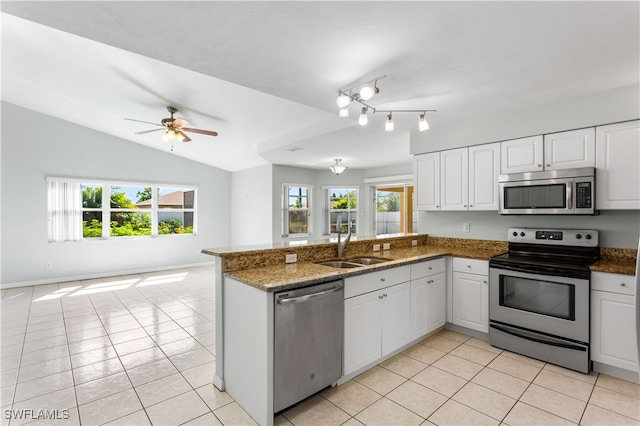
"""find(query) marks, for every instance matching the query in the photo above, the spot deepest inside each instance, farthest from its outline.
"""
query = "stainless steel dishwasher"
(308, 341)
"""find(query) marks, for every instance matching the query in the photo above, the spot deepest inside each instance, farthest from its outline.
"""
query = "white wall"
(592, 109)
(35, 146)
(618, 228)
(251, 212)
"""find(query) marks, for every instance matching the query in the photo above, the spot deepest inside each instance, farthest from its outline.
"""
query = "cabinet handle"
(380, 297)
(430, 281)
(464, 205)
(470, 205)
(385, 295)
(382, 279)
(469, 266)
(485, 281)
(437, 206)
(548, 165)
(623, 285)
(539, 165)
(430, 268)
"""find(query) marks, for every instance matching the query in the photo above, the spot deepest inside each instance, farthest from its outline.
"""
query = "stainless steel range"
(539, 295)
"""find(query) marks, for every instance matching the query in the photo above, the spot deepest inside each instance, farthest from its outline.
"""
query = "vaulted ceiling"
(265, 74)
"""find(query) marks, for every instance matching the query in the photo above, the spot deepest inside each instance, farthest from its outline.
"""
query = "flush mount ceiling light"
(368, 90)
(337, 166)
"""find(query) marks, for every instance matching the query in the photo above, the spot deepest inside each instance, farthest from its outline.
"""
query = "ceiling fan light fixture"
(388, 125)
(422, 123)
(337, 166)
(363, 120)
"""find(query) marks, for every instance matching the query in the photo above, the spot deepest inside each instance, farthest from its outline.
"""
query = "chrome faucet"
(342, 244)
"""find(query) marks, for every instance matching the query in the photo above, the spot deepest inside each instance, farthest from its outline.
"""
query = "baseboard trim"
(5, 286)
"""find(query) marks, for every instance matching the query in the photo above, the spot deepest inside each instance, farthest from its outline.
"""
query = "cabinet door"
(484, 169)
(427, 181)
(454, 179)
(437, 299)
(569, 150)
(471, 301)
(396, 317)
(522, 155)
(419, 307)
(362, 331)
(613, 330)
(617, 171)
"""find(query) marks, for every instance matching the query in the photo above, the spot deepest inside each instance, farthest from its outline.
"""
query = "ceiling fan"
(174, 128)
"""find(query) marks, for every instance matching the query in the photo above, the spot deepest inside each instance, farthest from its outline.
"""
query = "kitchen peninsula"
(247, 278)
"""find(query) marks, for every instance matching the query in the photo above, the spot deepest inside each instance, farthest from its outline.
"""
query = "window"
(296, 210)
(394, 210)
(342, 202)
(116, 210)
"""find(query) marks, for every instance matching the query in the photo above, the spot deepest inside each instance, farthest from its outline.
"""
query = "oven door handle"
(546, 342)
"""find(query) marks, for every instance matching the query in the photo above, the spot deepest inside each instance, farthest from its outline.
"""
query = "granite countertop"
(616, 261)
(292, 275)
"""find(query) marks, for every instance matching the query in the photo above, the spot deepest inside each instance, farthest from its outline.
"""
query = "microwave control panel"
(583, 195)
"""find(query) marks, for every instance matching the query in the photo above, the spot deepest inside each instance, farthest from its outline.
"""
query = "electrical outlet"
(386, 246)
(414, 243)
(291, 258)
(49, 265)
(466, 227)
(376, 247)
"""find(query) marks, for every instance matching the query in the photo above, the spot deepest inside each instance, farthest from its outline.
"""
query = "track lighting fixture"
(388, 125)
(363, 120)
(366, 92)
(337, 166)
(422, 123)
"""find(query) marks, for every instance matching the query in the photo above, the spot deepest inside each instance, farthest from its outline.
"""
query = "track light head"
(344, 112)
(388, 125)
(363, 120)
(422, 123)
(343, 100)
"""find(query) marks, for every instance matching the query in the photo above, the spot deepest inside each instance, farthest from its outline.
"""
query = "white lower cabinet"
(470, 292)
(613, 326)
(428, 297)
(375, 324)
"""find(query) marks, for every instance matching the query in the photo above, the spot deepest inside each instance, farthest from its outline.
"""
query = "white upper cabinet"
(426, 169)
(522, 155)
(454, 179)
(572, 149)
(617, 166)
(484, 169)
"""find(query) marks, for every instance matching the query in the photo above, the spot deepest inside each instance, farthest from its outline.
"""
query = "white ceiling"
(265, 74)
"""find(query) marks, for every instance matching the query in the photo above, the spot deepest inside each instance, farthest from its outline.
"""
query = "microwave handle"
(569, 195)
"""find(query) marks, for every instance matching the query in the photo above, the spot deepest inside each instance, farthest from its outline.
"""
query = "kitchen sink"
(340, 264)
(368, 260)
(353, 263)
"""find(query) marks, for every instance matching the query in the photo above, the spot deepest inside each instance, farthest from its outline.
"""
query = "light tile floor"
(139, 350)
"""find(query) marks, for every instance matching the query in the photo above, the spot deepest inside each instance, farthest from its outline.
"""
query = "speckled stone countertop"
(616, 261)
(282, 276)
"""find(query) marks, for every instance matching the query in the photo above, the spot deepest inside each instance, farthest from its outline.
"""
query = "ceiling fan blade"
(179, 122)
(140, 121)
(203, 132)
(186, 138)
(147, 131)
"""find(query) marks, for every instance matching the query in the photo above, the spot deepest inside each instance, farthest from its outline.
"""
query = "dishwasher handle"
(307, 297)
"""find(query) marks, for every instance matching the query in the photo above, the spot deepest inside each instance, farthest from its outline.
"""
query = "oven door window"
(541, 297)
(549, 196)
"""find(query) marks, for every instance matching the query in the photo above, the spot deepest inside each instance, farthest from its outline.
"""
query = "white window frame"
(285, 209)
(345, 220)
(153, 211)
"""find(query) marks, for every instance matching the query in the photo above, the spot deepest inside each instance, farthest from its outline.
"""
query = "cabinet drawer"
(429, 267)
(471, 266)
(360, 284)
(613, 283)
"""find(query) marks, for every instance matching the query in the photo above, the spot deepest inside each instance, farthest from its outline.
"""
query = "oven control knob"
(578, 236)
(522, 234)
(515, 234)
(588, 236)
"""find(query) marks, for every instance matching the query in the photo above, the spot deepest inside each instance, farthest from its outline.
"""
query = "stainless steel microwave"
(569, 191)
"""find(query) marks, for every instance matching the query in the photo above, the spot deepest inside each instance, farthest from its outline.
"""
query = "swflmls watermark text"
(31, 414)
